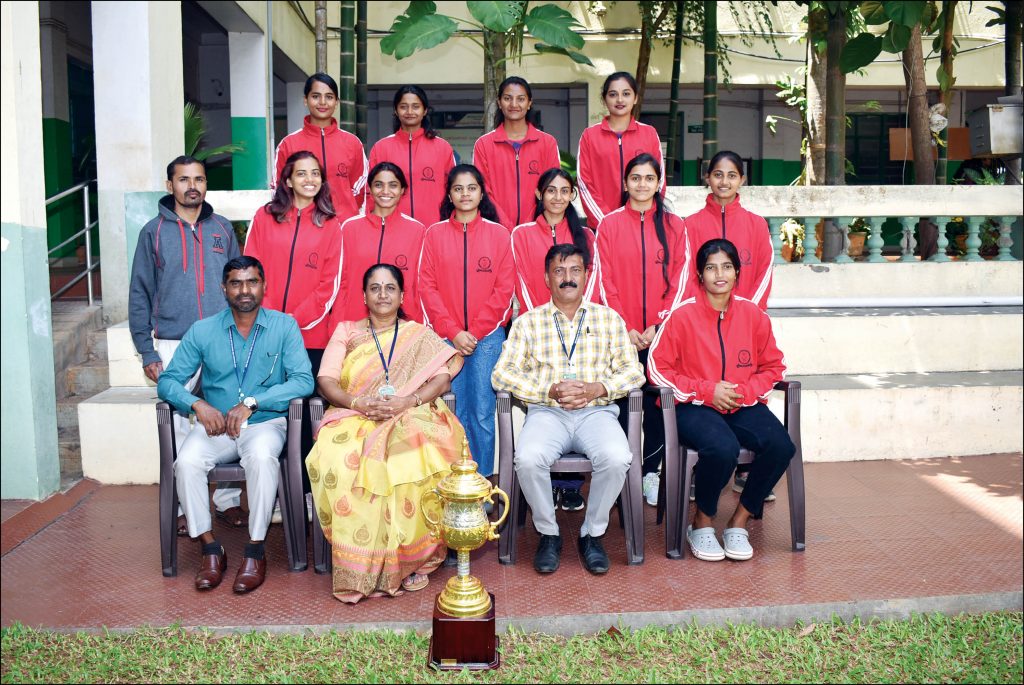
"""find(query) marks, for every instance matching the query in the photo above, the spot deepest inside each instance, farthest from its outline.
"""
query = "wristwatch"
(250, 403)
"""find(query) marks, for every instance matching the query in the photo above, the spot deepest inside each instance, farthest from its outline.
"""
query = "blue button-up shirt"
(279, 369)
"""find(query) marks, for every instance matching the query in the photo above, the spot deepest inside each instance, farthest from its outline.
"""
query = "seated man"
(253, 363)
(569, 360)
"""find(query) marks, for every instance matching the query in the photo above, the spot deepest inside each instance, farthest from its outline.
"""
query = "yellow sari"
(367, 477)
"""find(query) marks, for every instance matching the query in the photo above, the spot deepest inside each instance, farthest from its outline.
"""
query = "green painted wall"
(775, 172)
(64, 217)
(29, 460)
(139, 208)
(249, 167)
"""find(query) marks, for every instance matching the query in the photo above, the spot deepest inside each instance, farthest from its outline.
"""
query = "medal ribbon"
(234, 359)
(380, 351)
(579, 329)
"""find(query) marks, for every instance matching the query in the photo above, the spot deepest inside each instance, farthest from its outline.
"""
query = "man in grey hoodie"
(175, 282)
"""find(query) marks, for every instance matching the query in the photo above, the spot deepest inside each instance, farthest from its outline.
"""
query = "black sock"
(213, 548)
(254, 550)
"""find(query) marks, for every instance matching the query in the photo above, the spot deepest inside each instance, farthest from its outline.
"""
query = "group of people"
(394, 281)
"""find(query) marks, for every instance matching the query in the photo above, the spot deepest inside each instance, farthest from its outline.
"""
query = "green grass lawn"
(932, 648)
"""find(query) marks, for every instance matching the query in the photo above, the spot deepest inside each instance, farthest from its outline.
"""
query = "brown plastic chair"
(631, 513)
(677, 480)
(321, 548)
(289, 491)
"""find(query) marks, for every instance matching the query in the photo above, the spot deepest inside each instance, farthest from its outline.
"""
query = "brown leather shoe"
(211, 570)
(250, 575)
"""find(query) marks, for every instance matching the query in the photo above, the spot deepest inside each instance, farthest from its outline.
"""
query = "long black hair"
(284, 197)
(576, 227)
(487, 209)
(394, 271)
(714, 246)
(410, 89)
(531, 114)
(659, 207)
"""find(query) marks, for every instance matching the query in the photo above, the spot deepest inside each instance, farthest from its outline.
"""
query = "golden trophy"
(463, 635)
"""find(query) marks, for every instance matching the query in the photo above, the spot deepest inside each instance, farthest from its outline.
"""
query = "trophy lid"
(464, 483)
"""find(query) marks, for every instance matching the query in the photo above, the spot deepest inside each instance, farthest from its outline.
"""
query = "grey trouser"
(257, 448)
(548, 433)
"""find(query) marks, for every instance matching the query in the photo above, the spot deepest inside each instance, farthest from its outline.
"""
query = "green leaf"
(575, 56)
(896, 38)
(415, 10)
(944, 79)
(410, 34)
(555, 26)
(1000, 17)
(906, 12)
(860, 52)
(497, 15)
(937, 43)
(873, 12)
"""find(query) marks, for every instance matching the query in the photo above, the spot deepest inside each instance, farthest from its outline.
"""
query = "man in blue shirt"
(253, 364)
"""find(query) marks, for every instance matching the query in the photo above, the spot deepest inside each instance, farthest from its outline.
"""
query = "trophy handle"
(433, 522)
(491, 534)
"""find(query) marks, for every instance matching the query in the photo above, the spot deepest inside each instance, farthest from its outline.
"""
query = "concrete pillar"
(139, 121)
(249, 109)
(296, 105)
(28, 442)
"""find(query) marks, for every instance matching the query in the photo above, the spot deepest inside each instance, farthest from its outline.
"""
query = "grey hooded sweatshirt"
(176, 275)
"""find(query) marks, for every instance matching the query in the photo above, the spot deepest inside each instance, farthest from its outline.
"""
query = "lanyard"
(579, 329)
(380, 351)
(234, 359)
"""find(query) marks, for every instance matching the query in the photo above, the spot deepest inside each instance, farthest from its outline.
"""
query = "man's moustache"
(568, 284)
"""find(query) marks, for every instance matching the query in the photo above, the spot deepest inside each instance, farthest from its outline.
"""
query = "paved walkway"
(883, 538)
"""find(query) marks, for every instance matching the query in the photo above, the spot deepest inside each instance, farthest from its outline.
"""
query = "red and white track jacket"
(530, 244)
(510, 176)
(698, 346)
(425, 163)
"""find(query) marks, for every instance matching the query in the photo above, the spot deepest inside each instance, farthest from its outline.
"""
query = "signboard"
(695, 128)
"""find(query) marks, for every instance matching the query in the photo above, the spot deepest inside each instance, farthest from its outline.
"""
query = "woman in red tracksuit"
(724, 217)
(424, 158)
(297, 238)
(643, 254)
(606, 147)
(514, 155)
(340, 153)
(466, 283)
(382, 236)
(555, 222)
(717, 353)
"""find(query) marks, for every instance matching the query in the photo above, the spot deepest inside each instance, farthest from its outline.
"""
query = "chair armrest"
(316, 412)
(449, 400)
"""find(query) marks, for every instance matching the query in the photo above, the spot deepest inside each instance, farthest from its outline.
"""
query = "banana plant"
(196, 129)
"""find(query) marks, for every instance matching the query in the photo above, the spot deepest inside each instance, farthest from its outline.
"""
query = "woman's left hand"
(648, 336)
(387, 408)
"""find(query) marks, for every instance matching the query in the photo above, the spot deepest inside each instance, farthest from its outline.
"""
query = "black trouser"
(654, 428)
(718, 438)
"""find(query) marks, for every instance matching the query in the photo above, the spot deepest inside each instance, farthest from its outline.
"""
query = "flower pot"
(857, 244)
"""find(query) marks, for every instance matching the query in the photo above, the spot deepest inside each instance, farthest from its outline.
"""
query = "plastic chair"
(321, 548)
(677, 480)
(289, 491)
(631, 513)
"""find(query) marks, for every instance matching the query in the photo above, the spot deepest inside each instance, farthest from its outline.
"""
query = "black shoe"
(549, 554)
(556, 495)
(572, 500)
(595, 559)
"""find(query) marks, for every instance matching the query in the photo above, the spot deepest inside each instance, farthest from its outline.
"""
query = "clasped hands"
(217, 423)
(642, 341)
(382, 408)
(725, 398)
(574, 394)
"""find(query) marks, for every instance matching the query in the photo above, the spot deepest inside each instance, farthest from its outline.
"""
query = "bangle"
(355, 401)
(418, 400)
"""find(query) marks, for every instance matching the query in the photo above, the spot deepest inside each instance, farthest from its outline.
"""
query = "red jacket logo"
(483, 265)
(427, 174)
(343, 170)
(745, 258)
(402, 262)
(743, 359)
(534, 167)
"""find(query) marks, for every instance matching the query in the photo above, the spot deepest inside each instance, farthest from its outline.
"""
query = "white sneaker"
(276, 516)
(651, 483)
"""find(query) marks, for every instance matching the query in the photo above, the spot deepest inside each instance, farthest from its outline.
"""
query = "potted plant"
(792, 233)
(859, 231)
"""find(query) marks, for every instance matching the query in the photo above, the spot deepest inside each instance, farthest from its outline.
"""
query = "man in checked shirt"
(568, 361)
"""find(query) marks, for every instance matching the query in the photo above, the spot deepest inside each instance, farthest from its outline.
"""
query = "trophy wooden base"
(459, 643)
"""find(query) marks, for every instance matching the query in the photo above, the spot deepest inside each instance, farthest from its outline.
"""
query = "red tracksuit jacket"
(602, 159)
(425, 163)
(511, 177)
(699, 346)
(630, 258)
(367, 240)
(466, 277)
(342, 157)
(749, 233)
(302, 264)
(530, 244)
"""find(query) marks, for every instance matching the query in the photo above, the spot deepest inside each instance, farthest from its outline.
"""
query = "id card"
(569, 376)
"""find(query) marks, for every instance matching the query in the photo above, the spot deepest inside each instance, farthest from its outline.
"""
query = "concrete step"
(71, 324)
(118, 436)
(69, 449)
(899, 340)
(125, 363)
(84, 379)
(97, 345)
(67, 412)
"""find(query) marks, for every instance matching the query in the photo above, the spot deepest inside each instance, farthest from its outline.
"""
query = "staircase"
(80, 371)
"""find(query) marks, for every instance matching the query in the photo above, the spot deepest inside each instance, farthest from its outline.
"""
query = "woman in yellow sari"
(387, 439)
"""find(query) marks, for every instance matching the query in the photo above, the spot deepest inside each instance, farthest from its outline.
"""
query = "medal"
(386, 390)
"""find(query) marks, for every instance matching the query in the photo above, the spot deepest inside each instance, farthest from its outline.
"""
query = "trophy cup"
(463, 635)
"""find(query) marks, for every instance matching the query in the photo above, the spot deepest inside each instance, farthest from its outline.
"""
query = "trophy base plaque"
(458, 643)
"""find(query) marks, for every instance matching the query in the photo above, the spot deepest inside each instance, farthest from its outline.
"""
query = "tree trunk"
(1012, 48)
(361, 70)
(917, 110)
(347, 80)
(494, 74)
(672, 161)
(648, 29)
(947, 95)
(835, 103)
(814, 163)
(710, 146)
(321, 35)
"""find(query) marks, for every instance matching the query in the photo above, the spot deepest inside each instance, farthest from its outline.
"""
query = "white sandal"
(704, 544)
(737, 544)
